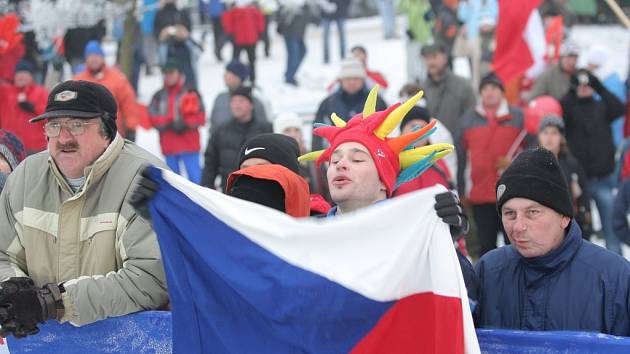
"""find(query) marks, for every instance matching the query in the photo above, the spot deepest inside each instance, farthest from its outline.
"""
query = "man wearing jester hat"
(366, 166)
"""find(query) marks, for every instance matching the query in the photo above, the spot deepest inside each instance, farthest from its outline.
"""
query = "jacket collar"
(93, 172)
(503, 112)
(557, 259)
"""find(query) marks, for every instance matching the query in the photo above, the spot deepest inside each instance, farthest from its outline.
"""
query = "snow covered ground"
(387, 56)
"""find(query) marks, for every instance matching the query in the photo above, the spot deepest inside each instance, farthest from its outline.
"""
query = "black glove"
(130, 135)
(178, 126)
(23, 306)
(27, 106)
(410, 35)
(594, 82)
(145, 190)
(450, 209)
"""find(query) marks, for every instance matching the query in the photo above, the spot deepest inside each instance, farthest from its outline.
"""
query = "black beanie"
(260, 191)
(278, 149)
(491, 79)
(244, 91)
(416, 112)
(536, 175)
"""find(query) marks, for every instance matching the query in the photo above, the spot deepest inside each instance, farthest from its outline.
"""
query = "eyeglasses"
(75, 127)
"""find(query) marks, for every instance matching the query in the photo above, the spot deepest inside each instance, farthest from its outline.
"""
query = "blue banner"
(150, 332)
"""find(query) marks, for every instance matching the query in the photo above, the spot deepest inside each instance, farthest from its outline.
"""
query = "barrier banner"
(150, 332)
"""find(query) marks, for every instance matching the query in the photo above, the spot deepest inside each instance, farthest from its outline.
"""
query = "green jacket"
(415, 11)
(92, 240)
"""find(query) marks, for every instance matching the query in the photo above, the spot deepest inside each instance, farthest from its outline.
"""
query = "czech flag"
(244, 278)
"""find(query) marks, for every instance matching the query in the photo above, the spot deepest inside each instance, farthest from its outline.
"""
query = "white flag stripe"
(534, 36)
(360, 251)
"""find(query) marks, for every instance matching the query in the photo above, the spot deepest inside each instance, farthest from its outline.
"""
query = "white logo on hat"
(500, 190)
(64, 96)
(249, 151)
(380, 153)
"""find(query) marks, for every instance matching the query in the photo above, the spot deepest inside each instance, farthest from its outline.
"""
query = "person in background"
(587, 119)
(245, 24)
(419, 23)
(448, 95)
(491, 135)
(211, 11)
(20, 102)
(293, 17)
(149, 42)
(334, 11)
(236, 75)
(555, 81)
(290, 124)
(11, 154)
(96, 70)
(177, 112)
(221, 156)
(551, 137)
(549, 278)
(373, 77)
(479, 18)
(388, 15)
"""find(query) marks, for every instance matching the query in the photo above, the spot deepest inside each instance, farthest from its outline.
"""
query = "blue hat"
(239, 69)
(93, 47)
(24, 65)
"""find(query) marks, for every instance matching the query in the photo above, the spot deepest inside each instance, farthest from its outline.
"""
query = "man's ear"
(566, 221)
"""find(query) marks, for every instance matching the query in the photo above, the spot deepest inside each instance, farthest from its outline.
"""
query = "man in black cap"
(549, 278)
(448, 95)
(221, 156)
(71, 247)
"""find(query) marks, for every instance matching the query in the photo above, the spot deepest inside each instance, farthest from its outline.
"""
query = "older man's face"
(77, 146)
(533, 229)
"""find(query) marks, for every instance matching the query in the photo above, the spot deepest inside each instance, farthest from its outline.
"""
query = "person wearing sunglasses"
(71, 247)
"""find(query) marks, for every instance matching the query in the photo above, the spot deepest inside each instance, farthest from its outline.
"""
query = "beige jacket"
(107, 257)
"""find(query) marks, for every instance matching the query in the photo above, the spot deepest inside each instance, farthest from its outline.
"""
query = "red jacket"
(170, 105)
(245, 24)
(481, 143)
(15, 118)
(436, 174)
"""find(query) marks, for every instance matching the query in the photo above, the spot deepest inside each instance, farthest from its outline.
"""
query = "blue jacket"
(578, 286)
(620, 212)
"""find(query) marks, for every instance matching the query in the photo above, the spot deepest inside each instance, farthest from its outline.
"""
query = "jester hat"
(395, 159)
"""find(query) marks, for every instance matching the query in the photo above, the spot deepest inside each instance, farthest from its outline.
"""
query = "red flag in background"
(518, 45)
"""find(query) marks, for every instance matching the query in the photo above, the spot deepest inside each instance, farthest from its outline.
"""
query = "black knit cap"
(244, 91)
(81, 99)
(491, 79)
(416, 112)
(278, 149)
(260, 191)
(535, 175)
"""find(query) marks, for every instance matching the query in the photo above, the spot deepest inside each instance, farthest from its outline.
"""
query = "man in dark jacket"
(589, 138)
(549, 278)
(222, 152)
(346, 102)
(448, 95)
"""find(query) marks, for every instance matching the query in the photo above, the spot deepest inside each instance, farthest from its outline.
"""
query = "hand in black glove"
(178, 126)
(23, 306)
(145, 190)
(450, 209)
(594, 82)
(27, 106)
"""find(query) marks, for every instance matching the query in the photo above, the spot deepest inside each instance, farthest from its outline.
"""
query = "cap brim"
(64, 113)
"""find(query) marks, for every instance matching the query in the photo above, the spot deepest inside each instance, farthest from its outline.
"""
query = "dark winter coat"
(578, 286)
(221, 157)
(588, 131)
(480, 144)
(169, 15)
(345, 105)
(573, 172)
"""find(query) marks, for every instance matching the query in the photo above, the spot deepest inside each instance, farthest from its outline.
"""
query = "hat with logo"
(81, 99)
(278, 149)
(535, 175)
